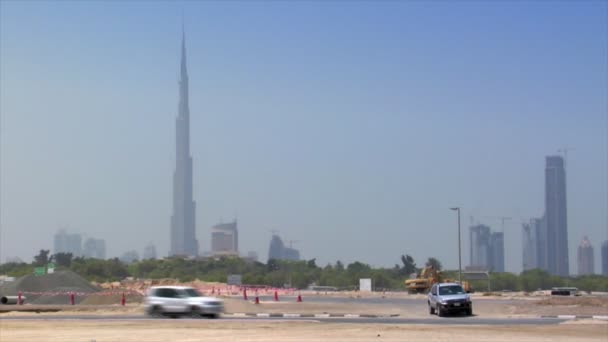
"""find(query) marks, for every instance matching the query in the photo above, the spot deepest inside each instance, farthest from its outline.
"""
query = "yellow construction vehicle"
(427, 277)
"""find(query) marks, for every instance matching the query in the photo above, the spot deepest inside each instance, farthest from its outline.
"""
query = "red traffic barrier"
(123, 299)
(276, 296)
(72, 298)
(299, 299)
(245, 293)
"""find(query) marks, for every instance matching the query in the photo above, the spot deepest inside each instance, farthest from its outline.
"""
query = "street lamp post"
(459, 253)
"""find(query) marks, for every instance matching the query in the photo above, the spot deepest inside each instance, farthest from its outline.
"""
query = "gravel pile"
(62, 282)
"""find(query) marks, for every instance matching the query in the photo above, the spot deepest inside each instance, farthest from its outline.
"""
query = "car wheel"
(431, 310)
(156, 311)
(470, 312)
(440, 311)
(195, 312)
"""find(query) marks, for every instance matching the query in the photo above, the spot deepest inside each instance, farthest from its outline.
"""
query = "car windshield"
(192, 293)
(451, 290)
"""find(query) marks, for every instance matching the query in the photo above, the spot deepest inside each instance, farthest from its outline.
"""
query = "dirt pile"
(51, 288)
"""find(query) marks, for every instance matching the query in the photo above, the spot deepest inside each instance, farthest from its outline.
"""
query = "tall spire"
(184, 70)
(183, 220)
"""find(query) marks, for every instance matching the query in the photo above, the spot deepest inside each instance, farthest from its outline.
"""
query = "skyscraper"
(556, 216)
(183, 232)
(479, 244)
(275, 251)
(68, 243)
(585, 257)
(497, 252)
(149, 252)
(534, 244)
(225, 239)
(95, 248)
(278, 250)
(529, 244)
(605, 258)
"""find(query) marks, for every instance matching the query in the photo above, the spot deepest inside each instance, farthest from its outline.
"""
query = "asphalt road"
(394, 320)
(370, 300)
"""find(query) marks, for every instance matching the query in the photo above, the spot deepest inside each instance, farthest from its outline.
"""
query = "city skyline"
(355, 126)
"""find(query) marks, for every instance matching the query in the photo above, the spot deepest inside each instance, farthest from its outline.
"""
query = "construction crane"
(565, 150)
(291, 243)
(502, 219)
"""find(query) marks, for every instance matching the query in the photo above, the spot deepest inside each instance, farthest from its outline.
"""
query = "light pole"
(459, 253)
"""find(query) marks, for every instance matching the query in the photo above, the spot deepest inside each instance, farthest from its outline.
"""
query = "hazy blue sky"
(350, 126)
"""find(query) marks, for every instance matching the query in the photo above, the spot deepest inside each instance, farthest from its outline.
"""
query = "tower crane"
(565, 150)
(502, 219)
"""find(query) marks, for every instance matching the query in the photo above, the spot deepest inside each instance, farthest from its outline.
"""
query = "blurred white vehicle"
(176, 301)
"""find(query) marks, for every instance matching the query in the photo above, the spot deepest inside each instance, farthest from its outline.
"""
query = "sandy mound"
(51, 288)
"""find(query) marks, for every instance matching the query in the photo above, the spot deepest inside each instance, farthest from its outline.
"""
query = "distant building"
(225, 239)
(95, 248)
(487, 249)
(252, 256)
(556, 217)
(479, 244)
(605, 258)
(68, 243)
(275, 251)
(585, 257)
(497, 252)
(534, 244)
(149, 252)
(129, 257)
(529, 246)
(278, 250)
(291, 254)
(541, 242)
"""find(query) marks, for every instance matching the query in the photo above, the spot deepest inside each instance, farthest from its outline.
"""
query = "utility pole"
(459, 252)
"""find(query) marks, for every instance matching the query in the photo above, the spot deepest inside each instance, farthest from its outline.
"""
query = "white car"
(180, 301)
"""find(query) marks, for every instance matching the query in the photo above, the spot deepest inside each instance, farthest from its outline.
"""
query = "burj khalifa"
(183, 222)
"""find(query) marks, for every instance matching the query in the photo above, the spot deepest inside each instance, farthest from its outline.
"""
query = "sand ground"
(283, 331)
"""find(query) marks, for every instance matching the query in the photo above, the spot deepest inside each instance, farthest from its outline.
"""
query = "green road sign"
(39, 271)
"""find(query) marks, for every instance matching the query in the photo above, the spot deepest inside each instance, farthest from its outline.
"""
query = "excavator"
(429, 276)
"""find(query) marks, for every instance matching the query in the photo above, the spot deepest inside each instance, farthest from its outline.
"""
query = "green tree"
(339, 266)
(435, 263)
(42, 258)
(409, 265)
(63, 259)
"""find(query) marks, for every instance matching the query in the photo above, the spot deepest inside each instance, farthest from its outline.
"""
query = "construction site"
(64, 307)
